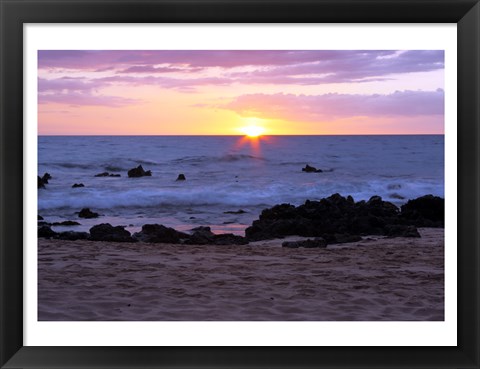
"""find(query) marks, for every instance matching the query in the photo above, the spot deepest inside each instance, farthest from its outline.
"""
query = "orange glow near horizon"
(254, 127)
(254, 142)
(253, 131)
(253, 93)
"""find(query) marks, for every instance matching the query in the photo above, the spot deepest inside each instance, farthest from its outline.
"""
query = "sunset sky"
(223, 92)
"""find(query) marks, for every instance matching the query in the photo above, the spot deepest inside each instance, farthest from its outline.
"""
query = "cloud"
(149, 69)
(353, 67)
(266, 66)
(65, 83)
(335, 106)
(78, 92)
(75, 99)
(165, 82)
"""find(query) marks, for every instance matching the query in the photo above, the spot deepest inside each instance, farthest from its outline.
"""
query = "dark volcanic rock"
(329, 216)
(204, 236)
(42, 181)
(181, 177)
(425, 211)
(39, 217)
(87, 213)
(310, 244)
(341, 238)
(157, 233)
(106, 232)
(201, 236)
(46, 177)
(310, 169)
(41, 184)
(73, 236)
(229, 239)
(66, 223)
(235, 212)
(106, 174)
(139, 172)
(46, 232)
(76, 185)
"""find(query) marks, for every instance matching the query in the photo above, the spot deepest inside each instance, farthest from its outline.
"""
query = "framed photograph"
(231, 184)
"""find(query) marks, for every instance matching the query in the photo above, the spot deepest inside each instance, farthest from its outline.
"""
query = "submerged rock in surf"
(106, 174)
(310, 169)
(240, 211)
(42, 181)
(139, 172)
(87, 213)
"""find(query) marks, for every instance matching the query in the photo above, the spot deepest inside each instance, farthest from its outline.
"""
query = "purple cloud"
(65, 83)
(77, 92)
(75, 99)
(363, 67)
(334, 106)
(334, 66)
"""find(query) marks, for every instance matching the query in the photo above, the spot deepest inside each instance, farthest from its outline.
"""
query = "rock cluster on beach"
(342, 217)
(109, 233)
(156, 233)
(332, 220)
(151, 233)
(425, 211)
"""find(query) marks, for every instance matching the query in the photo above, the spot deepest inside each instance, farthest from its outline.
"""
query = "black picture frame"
(15, 13)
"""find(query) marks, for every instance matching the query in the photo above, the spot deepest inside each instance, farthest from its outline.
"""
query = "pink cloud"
(149, 69)
(165, 82)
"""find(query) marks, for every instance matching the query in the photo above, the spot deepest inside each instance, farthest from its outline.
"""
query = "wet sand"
(388, 279)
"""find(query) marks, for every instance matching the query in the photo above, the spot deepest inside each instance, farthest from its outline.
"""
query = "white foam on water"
(224, 175)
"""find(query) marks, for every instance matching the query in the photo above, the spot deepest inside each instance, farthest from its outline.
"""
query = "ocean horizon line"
(240, 135)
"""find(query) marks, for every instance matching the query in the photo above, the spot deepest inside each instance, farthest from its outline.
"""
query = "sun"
(253, 130)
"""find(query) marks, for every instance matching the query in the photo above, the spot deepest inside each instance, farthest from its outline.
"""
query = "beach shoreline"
(375, 279)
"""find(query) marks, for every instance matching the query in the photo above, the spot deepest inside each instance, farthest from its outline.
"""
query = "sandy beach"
(378, 278)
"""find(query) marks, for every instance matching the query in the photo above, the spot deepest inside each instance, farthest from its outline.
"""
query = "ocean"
(229, 179)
